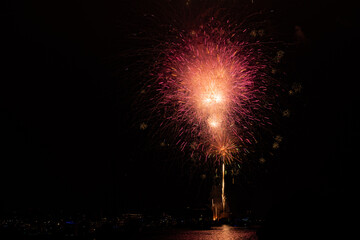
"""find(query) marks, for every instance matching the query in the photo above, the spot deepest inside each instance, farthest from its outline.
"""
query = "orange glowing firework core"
(225, 148)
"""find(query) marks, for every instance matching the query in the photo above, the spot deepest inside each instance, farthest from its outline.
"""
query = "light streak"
(223, 187)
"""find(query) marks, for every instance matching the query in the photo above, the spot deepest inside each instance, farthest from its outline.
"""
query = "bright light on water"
(224, 232)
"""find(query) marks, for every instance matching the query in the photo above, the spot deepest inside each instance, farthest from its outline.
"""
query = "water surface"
(215, 233)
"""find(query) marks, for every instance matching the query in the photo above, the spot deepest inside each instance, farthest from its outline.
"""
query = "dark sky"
(69, 133)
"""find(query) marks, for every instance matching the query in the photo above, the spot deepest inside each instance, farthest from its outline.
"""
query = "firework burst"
(212, 87)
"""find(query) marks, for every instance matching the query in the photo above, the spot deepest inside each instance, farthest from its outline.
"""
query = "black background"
(70, 139)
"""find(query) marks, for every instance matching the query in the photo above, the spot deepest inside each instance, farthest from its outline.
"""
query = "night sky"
(70, 136)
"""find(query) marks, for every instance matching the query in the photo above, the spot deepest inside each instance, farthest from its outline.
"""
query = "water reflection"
(224, 232)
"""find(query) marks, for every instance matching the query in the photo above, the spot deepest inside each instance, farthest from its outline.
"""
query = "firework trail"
(223, 186)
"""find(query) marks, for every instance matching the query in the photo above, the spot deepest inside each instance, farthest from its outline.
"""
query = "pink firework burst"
(213, 89)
